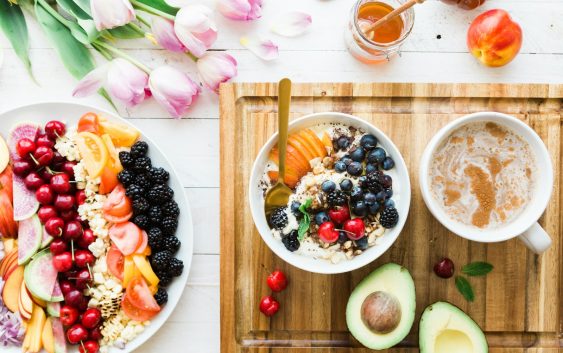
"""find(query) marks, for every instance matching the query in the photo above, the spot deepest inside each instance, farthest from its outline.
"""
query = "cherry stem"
(72, 248)
(90, 271)
(33, 158)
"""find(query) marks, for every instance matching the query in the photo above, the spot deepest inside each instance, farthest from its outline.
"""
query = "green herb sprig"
(305, 222)
(478, 268)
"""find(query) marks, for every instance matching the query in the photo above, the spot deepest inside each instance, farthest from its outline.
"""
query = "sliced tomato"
(108, 180)
(142, 243)
(135, 313)
(89, 122)
(140, 295)
(114, 219)
(117, 204)
(115, 262)
(126, 237)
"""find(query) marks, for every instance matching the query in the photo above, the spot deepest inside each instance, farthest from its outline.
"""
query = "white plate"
(70, 113)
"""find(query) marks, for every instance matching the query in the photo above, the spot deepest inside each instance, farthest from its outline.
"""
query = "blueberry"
(342, 237)
(355, 168)
(362, 243)
(343, 142)
(368, 142)
(340, 167)
(358, 154)
(295, 208)
(347, 160)
(387, 181)
(380, 196)
(360, 209)
(389, 193)
(362, 180)
(328, 186)
(321, 217)
(389, 203)
(388, 163)
(370, 199)
(376, 155)
(357, 193)
(373, 209)
(346, 185)
(370, 168)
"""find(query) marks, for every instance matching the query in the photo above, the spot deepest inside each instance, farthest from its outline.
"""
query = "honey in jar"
(371, 12)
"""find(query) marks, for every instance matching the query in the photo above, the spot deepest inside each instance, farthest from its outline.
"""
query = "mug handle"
(536, 239)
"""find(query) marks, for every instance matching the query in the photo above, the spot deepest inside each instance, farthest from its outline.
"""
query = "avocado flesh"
(394, 280)
(445, 328)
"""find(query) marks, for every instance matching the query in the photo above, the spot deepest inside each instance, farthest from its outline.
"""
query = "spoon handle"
(284, 98)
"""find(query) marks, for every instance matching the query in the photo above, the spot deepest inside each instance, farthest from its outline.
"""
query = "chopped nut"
(347, 244)
(349, 254)
(334, 247)
(379, 231)
(318, 169)
(357, 252)
(324, 245)
(371, 238)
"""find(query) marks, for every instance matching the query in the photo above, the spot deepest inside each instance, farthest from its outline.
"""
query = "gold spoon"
(278, 195)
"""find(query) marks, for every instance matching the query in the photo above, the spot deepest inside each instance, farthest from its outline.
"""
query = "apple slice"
(47, 336)
(7, 261)
(11, 290)
(10, 244)
(293, 141)
(25, 304)
(4, 154)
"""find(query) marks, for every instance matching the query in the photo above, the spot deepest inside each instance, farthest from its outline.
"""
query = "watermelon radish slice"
(25, 203)
(22, 130)
(57, 295)
(30, 236)
(54, 309)
(46, 240)
(40, 276)
(59, 335)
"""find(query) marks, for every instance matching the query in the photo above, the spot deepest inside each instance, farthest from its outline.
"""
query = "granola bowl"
(351, 194)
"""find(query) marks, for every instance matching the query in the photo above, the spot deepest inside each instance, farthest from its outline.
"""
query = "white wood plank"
(205, 213)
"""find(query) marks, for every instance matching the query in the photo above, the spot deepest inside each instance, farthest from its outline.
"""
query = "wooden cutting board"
(518, 305)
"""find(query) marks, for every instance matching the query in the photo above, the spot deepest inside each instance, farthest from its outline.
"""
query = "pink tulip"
(240, 10)
(123, 80)
(111, 13)
(195, 29)
(163, 31)
(215, 68)
(173, 89)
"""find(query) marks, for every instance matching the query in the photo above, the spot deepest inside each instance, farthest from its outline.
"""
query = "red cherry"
(269, 306)
(83, 279)
(44, 194)
(22, 167)
(327, 233)
(43, 155)
(54, 226)
(83, 258)
(45, 213)
(66, 286)
(64, 202)
(46, 175)
(76, 333)
(95, 334)
(80, 197)
(62, 262)
(58, 161)
(444, 268)
(24, 147)
(68, 215)
(277, 281)
(33, 181)
(69, 315)
(43, 140)
(68, 168)
(75, 298)
(355, 228)
(72, 230)
(55, 129)
(60, 183)
(87, 238)
(91, 318)
(58, 246)
(340, 214)
(89, 347)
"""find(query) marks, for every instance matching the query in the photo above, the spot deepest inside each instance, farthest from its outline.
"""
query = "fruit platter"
(94, 254)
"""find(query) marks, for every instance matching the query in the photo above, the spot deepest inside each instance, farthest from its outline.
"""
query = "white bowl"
(401, 196)
(70, 113)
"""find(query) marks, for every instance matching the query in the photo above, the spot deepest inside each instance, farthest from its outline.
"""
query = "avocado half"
(381, 309)
(444, 328)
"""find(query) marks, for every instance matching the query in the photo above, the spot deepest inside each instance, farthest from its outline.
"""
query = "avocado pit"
(381, 312)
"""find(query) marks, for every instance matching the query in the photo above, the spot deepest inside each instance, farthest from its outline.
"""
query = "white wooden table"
(435, 52)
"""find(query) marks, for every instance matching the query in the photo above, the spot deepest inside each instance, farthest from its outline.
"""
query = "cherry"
(58, 246)
(45, 213)
(54, 226)
(91, 318)
(68, 215)
(64, 202)
(43, 155)
(43, 140)
(76, 333)
(277, 281)
(269, 306)
(89, 347)
(68, 168)
(24, 147)
(33, 181)
(87, 238)
(58, 161)
(55, 129)
(83, 279)
(72, 230)
(327, 233)
(95, 334)
(355, 228)
(340, 214)
(44, 194)
(46, 175)
(22, 167)
(69, 315)
(444, 268)
(60, 183)
(66, 286)
(75, 298)
(62, 262)
(83, 258)
(80, 197)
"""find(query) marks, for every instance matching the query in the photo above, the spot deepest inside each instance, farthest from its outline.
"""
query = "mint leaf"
(305, 205)
(478, 268)
(464, 287)
(305, 222)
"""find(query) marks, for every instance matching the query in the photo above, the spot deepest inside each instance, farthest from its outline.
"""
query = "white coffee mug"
(525, 226)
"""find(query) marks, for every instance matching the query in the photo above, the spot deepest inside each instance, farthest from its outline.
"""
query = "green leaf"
(83, 18)
(478, 268)
(305, 222)
(84, 6)
(464, 287)
(160, 5)
(12, 23)
(125, 32)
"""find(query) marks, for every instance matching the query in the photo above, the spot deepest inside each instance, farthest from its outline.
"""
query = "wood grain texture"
(518, 304)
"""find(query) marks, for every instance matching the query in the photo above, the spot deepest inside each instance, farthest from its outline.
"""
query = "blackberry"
(156, 239)
(389, 217)
(164, 279)
(374, 181)
(175, 267)
(171, 244)
(171, 209)
(155, 214)
(159, 175)
(160, 261)
(135, 191)
(139, 149)
(337, 198)
(127, 161)
(161, 296)
(160, 194)
(140, 205)
(278, 218)
(142, 164)
(126, 177)
(142, 221)
(169, 225)
(143, 181)
(290, 241)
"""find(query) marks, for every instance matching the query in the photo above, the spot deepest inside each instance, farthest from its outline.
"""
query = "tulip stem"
(102, 51)
(137, 28)
(191, 56)
(143, 20)
(152, 10)
(121, 54)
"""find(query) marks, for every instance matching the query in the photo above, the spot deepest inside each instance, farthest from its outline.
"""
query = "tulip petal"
(109, 14)
(173, 89)
(265, 49)
(92, 82)
(126, 82)
(195, 29)
(163, 31)
(292, 24)
(240, 10)
(215, 68)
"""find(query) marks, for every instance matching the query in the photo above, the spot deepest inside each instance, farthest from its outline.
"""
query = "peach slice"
(47, 336)
(317, 141)
(11, 290)
(291, 162)
(327, 141)
(293, 141)
(290, 180)
(25, 304)
(307, 144)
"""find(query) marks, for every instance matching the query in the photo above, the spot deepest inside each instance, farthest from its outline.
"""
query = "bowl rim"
(345, 265)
